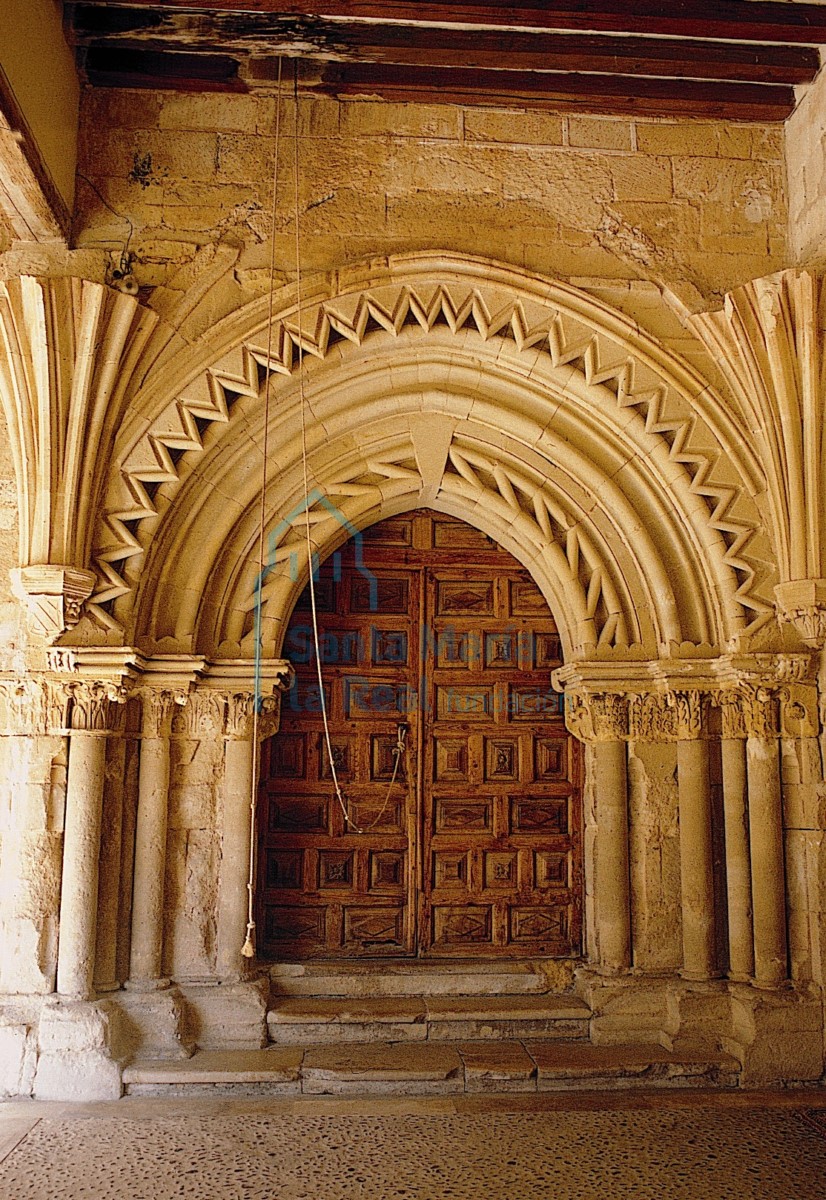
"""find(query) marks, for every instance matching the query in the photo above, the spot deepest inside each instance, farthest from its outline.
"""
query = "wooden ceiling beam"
(486, 49)
(562, 92)
(738, 20)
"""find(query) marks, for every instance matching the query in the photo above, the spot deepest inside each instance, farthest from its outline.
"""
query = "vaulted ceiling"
(735, 59)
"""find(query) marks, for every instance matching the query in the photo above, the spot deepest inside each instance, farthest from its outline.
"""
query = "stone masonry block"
(596, 134)
(529, 128)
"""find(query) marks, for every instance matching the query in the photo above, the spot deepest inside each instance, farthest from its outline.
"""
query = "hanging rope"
(248, 949)
(398, 750)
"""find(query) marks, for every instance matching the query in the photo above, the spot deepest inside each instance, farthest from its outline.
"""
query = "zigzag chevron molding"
(677, 409)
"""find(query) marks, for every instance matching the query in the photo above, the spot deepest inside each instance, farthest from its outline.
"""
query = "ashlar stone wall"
(624, 208)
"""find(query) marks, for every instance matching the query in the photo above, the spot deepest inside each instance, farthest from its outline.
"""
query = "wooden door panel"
(477, 848)
(324, 887)
(501, 831)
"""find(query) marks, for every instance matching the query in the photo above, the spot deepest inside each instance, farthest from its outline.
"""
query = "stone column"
(239, 776)
(150, 839)
(738, 856)
(90, 717)
(602, 719)
(766, 839)
(233, 892)
(696, 848)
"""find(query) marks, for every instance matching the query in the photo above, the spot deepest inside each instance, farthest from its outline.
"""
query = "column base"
(147, 985)
(154, 1021)
(79, 1051)
(230, 1016)
(777, 1035)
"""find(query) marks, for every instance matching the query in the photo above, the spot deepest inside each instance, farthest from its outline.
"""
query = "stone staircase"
(434, 1028)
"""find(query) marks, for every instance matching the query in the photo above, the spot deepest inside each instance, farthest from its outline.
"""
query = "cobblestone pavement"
(595, 1147)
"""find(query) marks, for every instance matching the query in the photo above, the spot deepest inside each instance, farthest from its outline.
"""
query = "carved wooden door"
(475, 849)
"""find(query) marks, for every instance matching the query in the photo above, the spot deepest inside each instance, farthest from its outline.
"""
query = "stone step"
(584, 1065)
(407, 978)
(320, 1021)
(430, 1068)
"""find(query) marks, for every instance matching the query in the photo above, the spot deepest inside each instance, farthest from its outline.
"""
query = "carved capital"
(653, 718)
(53, 596)
(34, 706)
(689, 712)
(760, 710)
(94, 705)
(202, 715)
(732, 711)
(269, 717)
(240, 711)
(157, 709)
(597, 716)
(799, 714)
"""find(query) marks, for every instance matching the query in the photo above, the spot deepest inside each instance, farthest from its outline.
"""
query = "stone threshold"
(422, 1069)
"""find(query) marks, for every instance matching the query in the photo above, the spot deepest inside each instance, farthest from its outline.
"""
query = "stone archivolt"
(596, 391)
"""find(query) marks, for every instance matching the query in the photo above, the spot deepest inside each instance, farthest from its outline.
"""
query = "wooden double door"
(475, 848)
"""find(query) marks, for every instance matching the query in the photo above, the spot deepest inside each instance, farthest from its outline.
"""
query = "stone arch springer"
(599, 458)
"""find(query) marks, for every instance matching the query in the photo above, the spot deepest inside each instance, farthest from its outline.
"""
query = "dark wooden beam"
(146, 69)
(408, 45)
(739, 20)
(570, 93)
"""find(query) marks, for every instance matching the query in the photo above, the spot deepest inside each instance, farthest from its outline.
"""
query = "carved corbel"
(802, 602)
(53, 596)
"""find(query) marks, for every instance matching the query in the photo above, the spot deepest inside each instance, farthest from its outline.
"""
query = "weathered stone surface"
(226, 1016)
(396, 1011)
(275, 1065)
(497, 1067)
(607, 1066)
(406, 979)
(385, 1068)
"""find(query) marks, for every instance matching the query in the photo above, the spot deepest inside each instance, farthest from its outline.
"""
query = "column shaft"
(81, 850)
(767, 861)
(235, 848)
(612, 884)
(145, 962)
(738, 860)
(696, 860)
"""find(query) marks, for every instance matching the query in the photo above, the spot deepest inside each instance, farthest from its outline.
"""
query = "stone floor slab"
(392, 1010)
(507, 1008)
(275, 1065)
(565, 1064)
(497, 1067)
(386, 1061)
